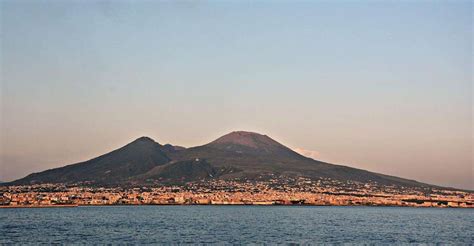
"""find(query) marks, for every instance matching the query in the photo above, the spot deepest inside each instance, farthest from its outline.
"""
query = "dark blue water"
(236, 224)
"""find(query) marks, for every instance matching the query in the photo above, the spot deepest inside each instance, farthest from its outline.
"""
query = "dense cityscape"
(275, 191)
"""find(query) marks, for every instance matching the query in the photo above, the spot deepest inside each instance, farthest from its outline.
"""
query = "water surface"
(236, 224)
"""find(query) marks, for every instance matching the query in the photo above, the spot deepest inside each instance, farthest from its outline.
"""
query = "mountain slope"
(188, 170)
(135, 158)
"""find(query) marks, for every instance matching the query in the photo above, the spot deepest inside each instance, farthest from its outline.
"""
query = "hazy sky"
(383, 86)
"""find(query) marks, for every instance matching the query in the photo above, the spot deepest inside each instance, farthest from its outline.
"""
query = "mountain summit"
(248, 139)
(243, 142)
(132, 159)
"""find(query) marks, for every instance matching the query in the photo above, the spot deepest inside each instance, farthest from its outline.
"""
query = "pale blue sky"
(384, 86)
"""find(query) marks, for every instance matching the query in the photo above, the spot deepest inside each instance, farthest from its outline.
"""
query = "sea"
(236, 225)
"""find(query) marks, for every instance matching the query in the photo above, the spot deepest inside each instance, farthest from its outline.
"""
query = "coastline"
(40, 206)
(217, 205)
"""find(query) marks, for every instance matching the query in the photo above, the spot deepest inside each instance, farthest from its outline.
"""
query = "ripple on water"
(236, 224)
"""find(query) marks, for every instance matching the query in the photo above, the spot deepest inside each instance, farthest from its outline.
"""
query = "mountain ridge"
(239, 154)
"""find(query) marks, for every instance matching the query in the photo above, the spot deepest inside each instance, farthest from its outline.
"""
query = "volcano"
(237, 155)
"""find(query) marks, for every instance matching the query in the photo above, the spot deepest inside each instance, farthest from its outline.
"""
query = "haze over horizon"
(347, 83)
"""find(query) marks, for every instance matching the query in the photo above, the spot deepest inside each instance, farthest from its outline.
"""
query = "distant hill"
(236, 155)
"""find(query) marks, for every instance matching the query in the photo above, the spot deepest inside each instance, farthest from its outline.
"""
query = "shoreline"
(231, 205)
(40, 206)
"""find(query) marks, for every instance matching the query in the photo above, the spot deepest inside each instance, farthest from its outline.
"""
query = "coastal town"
(275, 191)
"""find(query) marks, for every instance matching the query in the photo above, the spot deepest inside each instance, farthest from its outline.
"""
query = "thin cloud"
(308, 153)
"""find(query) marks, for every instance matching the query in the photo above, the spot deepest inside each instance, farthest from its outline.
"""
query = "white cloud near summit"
(308, 153)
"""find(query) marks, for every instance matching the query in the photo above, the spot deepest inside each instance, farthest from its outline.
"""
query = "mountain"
(238, 154)
(258, 155)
